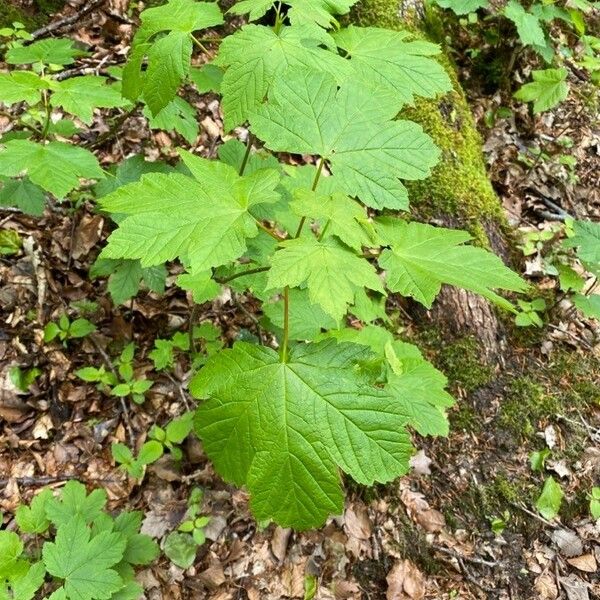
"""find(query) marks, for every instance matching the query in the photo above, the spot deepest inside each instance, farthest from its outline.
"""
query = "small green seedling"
(23, 379)
(135, 467)
(181, 545)
(548, 504)
(173, 434)
(537, 459)
(498, 524)
(529, 314)
(66, 330)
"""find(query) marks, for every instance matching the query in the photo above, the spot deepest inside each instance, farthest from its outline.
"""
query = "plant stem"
(249, 142)
(241, 274)
(324, 231)
(286, 324)
(48, 110)
(278, 19)
(200, 44)
(312, 189)
(191, 321)
(267, 230)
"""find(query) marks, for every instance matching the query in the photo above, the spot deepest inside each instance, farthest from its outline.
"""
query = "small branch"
(67, 21)
(267, 230)
(46, 479)
(471, 559)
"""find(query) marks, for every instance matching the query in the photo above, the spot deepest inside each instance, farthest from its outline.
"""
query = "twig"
(113, 128)
(66, 21)
(178, 385)
(471, 559)
(46, 479)
(534, 515)
(111, 368)
(474, 581)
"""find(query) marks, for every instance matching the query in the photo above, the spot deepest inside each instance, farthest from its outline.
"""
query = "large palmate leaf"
(204, 221)
(421, 258)
(84, 562)
(179, 116)
(169, 56)
(22, 194)
(81, 95)
(55, 51)
(587, 240)
(463, 7)
(528, 25)
(56, 167)
(281, 429)
(387, 58)
(332, 273)
(352, 129)
(254, 55)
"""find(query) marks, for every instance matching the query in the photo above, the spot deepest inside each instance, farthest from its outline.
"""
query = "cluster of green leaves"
(533, 22)
(577, 271)
(87, 552)
(121, 380)
(305, 241)
(64, 329)
(181, 545)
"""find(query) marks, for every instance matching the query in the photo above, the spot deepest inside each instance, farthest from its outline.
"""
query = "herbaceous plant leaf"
(281, 429)
(463, 7)
(387, 58)
(548, 89)
(587, 241)
(179, 115)
(56, 167)
(203, 221)
(332, 272)
(186, 16)
(55, 51)
(421, 258)
(368, 152)
(74, 500)
(23, 194)
(255, 55)
(528, 25)
(21, 86)
(79, 96)
(84, 562)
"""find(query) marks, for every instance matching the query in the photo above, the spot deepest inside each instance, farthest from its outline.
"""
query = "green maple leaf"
(463, 7)
(32, 518)
(179, 116)
(84, 562)
(331, 272)
(74, 501)
(338, 215)
(418, 388)
(24, 195)
(588, 305)
(81, 95)
(387, 58)
(255, 55)
(528, 25)
(548, 89)
(282, 429)
(421, 258)
(56, 167)
(350, 128)
(21, 86)
(320, 12)
(55, 51)
(306, 320)
(169, 56)
(204, 221)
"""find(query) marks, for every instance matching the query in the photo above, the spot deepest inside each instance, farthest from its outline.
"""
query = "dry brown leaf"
(585, 562)
(279, 542)
(87, 235)
(546, 587)
(405, 582)
(418, 509)
(357, 523)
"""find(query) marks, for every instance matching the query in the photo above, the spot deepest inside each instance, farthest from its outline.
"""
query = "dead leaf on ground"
(405, 582)
(568, 542)
(585, 562)
(357, 523)
(545, 586)
(279, 542)
(419, 510)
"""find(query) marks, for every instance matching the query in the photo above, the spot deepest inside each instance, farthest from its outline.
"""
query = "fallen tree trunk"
(459, 193)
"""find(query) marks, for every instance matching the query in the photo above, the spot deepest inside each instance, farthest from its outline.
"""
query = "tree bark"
(459, 193)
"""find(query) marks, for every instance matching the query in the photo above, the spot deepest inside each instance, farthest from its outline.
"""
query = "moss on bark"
(32, 17)
(459, 187)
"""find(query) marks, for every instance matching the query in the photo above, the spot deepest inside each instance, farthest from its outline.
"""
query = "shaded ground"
(428, 535)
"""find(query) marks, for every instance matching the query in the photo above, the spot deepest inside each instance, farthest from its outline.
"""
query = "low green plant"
(529, 313)
(173, 434)
(595, 502)
(119, 381)
(537, 459)
(135, 466)
(23, 379)
(107, 549)
(64, 329)
(181, 546)
(549, 502)
(10, 242)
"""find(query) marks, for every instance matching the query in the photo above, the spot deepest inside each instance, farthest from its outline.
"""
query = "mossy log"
(32, 14)
(459, 193)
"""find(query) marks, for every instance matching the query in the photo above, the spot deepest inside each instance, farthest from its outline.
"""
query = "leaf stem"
(324, 230)
(267, 230)
(286, 324)
(278, 19)
(200, 44)
(249, 142)
(312, 189)
(241, 274)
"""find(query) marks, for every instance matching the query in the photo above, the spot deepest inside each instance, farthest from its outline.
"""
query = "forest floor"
(463, 524)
